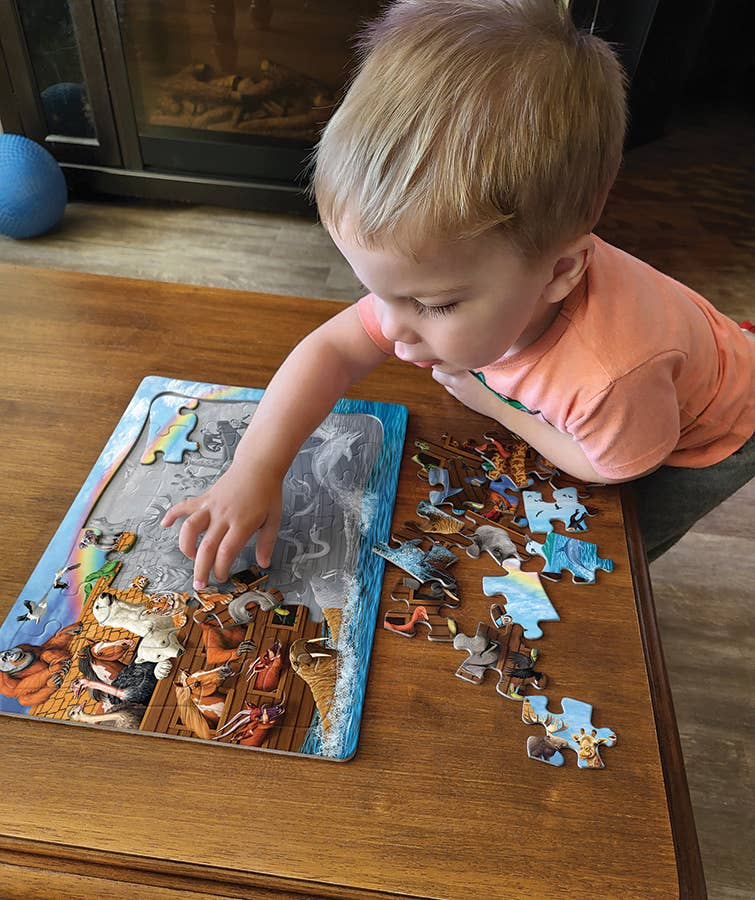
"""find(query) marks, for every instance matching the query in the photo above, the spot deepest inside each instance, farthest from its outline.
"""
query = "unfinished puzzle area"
(109, 631)
(495, 505)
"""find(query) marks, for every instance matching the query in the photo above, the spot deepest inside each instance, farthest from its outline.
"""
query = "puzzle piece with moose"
(572, 729)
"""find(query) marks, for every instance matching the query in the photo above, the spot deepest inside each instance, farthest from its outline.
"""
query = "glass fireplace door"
(236, 89)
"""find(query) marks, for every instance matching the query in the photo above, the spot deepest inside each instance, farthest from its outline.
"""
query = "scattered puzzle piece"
(169, 429)
(424, 565)
(526, 602)
(561, 552)
(437, 520)
(565, 508)
(482, 652)
(503, 653)
(420, 605)
(570, 728)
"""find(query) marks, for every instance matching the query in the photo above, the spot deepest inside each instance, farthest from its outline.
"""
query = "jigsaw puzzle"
(571, 728)
(565, 508)
(561, 552)
(108, 631)
(525, 599)
(419, 606)
(503, 652)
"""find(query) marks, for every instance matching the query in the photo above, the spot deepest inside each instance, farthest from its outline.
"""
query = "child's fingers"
(190, 531)
(266, 539)
(206, 555)
(228, 550)
(184, 508)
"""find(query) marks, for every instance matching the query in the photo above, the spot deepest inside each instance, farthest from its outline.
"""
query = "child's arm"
(557, 447)
(247, 497)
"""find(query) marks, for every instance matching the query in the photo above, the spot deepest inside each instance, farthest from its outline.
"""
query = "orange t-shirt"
(636, 367)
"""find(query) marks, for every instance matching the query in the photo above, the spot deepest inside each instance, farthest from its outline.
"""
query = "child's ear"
(571, 262)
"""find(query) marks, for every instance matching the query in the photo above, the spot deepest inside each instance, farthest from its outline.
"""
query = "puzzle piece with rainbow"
(572, 729)
(169, 428)
(525, 599)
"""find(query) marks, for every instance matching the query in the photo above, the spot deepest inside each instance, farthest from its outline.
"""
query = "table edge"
(686, 847)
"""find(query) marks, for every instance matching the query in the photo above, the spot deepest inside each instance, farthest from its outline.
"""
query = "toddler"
(461, 178)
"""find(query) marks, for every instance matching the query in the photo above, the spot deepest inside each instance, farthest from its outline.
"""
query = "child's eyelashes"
(432, 311)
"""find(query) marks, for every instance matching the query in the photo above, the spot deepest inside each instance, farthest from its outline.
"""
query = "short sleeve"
(633, 425)
(366, 311)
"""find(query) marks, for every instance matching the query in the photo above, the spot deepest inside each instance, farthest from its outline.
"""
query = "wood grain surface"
(440, 799)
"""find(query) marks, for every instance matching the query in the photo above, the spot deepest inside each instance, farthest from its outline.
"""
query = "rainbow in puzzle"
(109, 632)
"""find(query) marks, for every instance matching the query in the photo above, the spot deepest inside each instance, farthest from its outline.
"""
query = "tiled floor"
(685, 204)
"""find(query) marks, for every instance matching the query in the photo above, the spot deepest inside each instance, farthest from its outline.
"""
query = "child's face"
(462, 305)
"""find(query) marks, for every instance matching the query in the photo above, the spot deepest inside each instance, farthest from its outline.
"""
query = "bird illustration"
(36, 611)
(58, 580)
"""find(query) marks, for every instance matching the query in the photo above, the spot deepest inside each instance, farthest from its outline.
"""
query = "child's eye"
(433, 311)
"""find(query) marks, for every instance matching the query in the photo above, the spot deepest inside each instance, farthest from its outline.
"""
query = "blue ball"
(33, 191)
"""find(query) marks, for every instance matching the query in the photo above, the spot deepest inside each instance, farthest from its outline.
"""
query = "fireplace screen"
(267, 71)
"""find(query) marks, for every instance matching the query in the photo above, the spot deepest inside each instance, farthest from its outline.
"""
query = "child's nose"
(395, 326)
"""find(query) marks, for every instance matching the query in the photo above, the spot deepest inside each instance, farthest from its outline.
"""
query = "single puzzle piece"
(503, 652)
(169, 429)
(439, 476)
(437, 520)
(424, 565)
(570, 728)
(494, 539)
(565, 508)
(525, 599)
(578, 556)
(482, 650)
(405, 620)
(516, 664)
(120, 542)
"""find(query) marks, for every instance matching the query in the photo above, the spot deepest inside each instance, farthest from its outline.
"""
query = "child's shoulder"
(631, 314)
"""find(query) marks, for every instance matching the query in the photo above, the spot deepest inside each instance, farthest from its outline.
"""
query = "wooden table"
(440, 799)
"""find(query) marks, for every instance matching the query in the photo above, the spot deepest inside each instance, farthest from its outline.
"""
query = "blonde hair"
(470, 115)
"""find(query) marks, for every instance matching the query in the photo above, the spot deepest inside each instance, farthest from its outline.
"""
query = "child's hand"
(229, 513)
(468, 390)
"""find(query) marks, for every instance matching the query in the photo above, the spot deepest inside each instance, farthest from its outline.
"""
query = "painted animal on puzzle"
(267, 668)
(135, 683)
(494, 541)
(561, 552)
(251, 725)
(565, 508)
(158, 633)
(32, 673)
(224, 645)
(103, 660)
(127, 715)
(571, 728)
(198, 692)
(419, 605)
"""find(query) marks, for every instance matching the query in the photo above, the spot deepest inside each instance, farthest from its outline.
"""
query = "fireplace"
(203, 100)
(210, 101)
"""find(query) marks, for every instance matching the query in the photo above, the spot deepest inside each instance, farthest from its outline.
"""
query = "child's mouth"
(425, 363)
